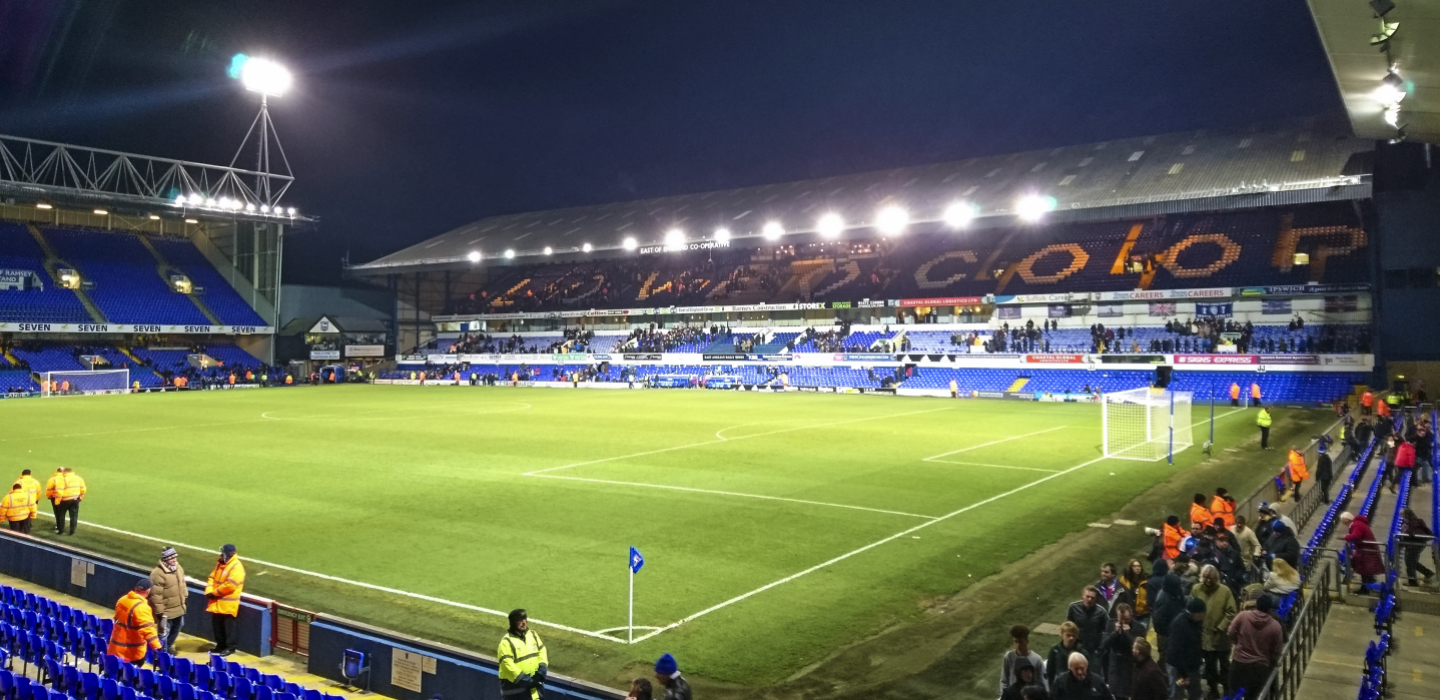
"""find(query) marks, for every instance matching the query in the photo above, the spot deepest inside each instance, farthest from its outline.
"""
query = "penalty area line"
(933, 458)
(351, 582)
(735, 493)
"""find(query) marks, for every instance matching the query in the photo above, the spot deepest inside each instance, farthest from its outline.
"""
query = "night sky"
(410, 118)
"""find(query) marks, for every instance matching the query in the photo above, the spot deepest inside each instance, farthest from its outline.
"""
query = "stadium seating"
(128, 286)
(52, 304)
(219, 296)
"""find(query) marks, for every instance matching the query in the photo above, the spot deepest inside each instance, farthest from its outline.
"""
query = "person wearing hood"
(1365, 553)
(1117, 650)
(1184, 653)
(1154, 585)
(1282, 545)
(1258, 639)
(1168, 607)
(1220, 609)
(222, 596)
(167, 597)
(667, 672)
(524, 663)
(1148, 681)
(1078, 683)
(1026, 676)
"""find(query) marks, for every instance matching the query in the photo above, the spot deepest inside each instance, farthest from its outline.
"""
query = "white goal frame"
(86, 382)
(1146, 424)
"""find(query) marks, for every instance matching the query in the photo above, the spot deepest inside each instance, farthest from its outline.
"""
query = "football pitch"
(775, 528)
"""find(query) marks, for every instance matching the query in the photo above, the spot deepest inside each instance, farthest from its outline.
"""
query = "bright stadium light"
(549, 250)
(629, 243)
(43, 205)
(959, 215)
(154, 217)
(290, 211)
(264, 208)
(1034, 207)
(474, 256)
(101, 212)
(722, 235)
(830, 225)
(179, 200)
(249, 206)
(674, 239)
(892, 221)
(510, 254)
(264, 76)
(195, 198)
(587, 247)
(192, 221)
(773, 231)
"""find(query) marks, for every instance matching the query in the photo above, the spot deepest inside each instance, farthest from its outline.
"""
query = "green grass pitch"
(778, 528)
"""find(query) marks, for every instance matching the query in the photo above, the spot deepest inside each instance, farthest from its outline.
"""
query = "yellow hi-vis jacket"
(520, 656)
(18, 505)
(64, 487)
(134, 628)
(31, 485)
(224, 586)
(1263, 420)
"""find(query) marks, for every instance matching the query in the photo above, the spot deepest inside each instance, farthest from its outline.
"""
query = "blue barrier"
(1402, 501)
(1374, 494)
(457, 673)
(1342, 498)
(55, 566)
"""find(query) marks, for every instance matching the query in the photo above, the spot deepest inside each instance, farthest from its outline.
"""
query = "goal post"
(1146, 423)
(83, 382)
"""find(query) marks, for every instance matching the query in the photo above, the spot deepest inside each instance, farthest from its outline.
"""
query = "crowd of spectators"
(657, 339)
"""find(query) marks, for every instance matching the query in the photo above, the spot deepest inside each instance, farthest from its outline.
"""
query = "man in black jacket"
(1283, 545)
(1091, 617)
(1148, 682)
(1184, 653)
(1078, 683)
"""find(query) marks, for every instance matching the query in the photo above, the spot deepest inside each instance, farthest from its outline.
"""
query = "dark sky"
(412, 117)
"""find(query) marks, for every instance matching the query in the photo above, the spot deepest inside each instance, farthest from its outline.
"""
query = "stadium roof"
(1347, 27)
(1307, 160)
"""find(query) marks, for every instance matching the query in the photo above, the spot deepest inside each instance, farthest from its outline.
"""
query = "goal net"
(1146, 423)
(83, 382)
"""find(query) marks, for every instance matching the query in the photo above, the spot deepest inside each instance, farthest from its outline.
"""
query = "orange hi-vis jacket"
(1201, 514)
(1173, 537)
(1383, 410)
(1222, 508)
(134, 628)
(1254, 390)
(18, 505)
(1298, 472)
(224, 587)
(1235, 391)
(1367, 399)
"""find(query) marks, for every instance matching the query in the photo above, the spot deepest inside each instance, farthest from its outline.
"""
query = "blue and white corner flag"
(637, 560)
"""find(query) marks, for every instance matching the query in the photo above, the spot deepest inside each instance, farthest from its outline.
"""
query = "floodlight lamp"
(264, 208)
(179, 200)
(290, 211)
(549, 250)
(675, 239)
(1034, 207)
(892, 221)
(101, 212)
(43, 205)
(722, 236)
(629, 243)
(224, 202)
(1387, 30)
(249, 206)
(195, 198)
(154, 217)
(959, 215)
(773, 231)
(1392, 115)
(474, 256)
(510, 254)
(830, 225)
(587, 247)
(265, 77)
(210, 203)
(192, 221)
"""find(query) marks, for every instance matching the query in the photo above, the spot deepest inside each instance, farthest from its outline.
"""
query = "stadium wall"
(104, 581)
(1407, 213)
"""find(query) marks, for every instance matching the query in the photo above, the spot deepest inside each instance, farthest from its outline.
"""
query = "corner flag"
(636, 560)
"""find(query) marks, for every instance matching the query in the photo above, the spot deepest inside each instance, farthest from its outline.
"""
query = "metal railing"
(1284, 681)
(1309, 502)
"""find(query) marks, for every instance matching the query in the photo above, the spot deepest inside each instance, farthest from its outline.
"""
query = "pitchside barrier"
(414, 669)
(1310, 491)
(103, 581)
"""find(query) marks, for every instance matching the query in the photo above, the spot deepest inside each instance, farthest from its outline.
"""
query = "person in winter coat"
(1118, 651)
(1184, 654)
(1148, 681)
(1059, 659)
(1416, 536)
(1227, 560)
(1078, 683)
(1324, 470)
(1010, 663)
(167, 597)
(1281, 580)
(1168, 607)
(1404, 463)
(1133, 579)
(1365, 553)
(1220, 609)
(1283, 546)
(1092, 618)
(1026, 676)
(1258, 639)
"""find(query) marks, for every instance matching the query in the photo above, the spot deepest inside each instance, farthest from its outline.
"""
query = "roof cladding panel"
(1311, 159)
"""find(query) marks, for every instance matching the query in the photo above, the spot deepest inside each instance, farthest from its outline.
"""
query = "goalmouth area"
(777, 529)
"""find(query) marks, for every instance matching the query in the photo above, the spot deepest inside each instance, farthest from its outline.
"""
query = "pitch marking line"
(993, 466)
(337, 579)
(936, 458)
(733, 493)
(538, 472)
(868, 547)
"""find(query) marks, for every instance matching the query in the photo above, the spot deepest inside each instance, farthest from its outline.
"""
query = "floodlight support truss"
(37, 168)
(269, 186)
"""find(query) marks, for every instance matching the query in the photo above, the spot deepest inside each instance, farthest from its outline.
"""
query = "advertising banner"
(1217, 360)
(942, 301)
(1342, 304)
(722, 356)
(572, 357)
(364, 350)
(642, 356)
(1165, 294)
(1289, 359)
(1224, 310)
(1055, 359)
(324, 354)
(1007, 312)
(1059, 311)
(148, 328)
(865, 357)
(1275, 307)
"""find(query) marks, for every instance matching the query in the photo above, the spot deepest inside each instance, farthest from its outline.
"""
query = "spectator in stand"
(1148, 681)
(1020, 653)
(1416, 536)
(1249, 544)
(1090, 617)
(167, 597)
(1365, 553)
(1283, 546)
(1324, 470)
(1220, 609)
(1116, 650)
(641, 689)
(1229, 563)
(1404, 463)
(667, 672)
(1282, 579)
(1168, 606)
(1060, 653)
(1184, 652)
(1027, 675)
(1258, 640)
(1078, 683)
(1133, 580)
(1109, 588)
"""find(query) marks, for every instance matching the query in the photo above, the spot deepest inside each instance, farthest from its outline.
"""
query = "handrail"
(1374, 495)
(1402, 501)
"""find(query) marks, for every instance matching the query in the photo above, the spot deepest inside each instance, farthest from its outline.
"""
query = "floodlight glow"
(629, 243)
(264, 208)
(773, 231)
(509, 254)
(265, 77)
(194, 198)
(587, 247)
(290, 211)
(101, 212)
(892, 221)
(674, 238)
(249, 206)
(830, 225)
(474, 256)
(42, 205)
(192, 221)
(549, 250)
(959, 215)
(722, 235)
(179, 200)
(210, 203)
(1392, 115)
(154, 217)
(1033, 207)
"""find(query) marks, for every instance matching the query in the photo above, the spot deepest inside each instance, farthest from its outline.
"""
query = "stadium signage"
(643, 356)
(1166, 294)
(1059, 297)
(723, 356)
(1289, 359)
(151, 328)
(1055, 359)
(697, 245)
(865, 357)
(1217, 359)
(18, 280)
(364, 350)
(943, 301)
(324, 354)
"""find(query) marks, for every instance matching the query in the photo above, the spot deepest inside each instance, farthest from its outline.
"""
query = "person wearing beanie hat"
(222, 596)
(1184, 653)
(167, 596)
(667, 672)
(524, 663)
(1257, 640)
(134, 632)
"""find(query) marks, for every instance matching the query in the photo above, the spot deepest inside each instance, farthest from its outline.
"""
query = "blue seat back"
(243, 689)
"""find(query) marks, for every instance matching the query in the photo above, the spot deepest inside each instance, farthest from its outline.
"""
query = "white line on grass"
(868, 547)
(733, 493)
(337, 579)
(994, 466)
(537, 472)
(994, 442)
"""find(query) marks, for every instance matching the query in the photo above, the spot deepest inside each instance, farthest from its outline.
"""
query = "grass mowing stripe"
(732, 493)
(995, 442)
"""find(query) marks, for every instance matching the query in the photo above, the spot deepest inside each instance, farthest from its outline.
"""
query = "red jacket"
(1366, 558)
(1405, 456)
